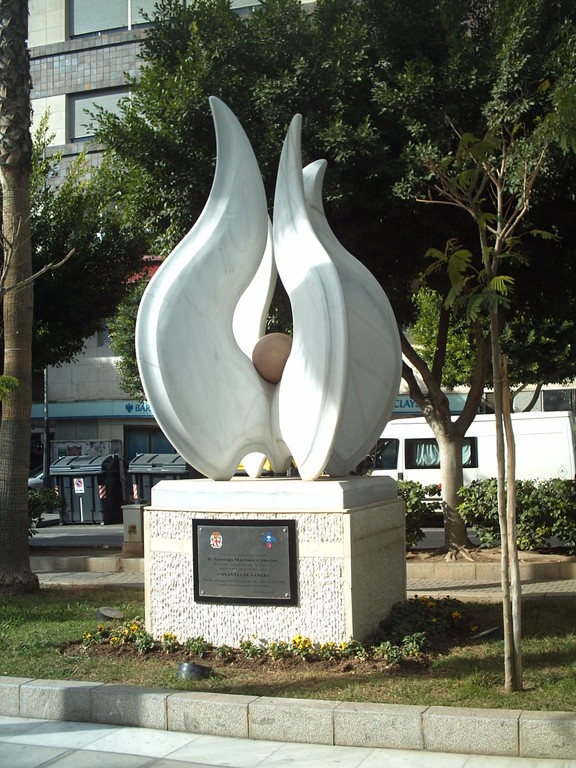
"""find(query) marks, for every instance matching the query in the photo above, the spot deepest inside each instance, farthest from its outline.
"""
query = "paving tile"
(16, 726)
(83, 759)
(400, 758)
(321, 756)
(141, 741)
(25, 756)
(71, 735)
(215, 751)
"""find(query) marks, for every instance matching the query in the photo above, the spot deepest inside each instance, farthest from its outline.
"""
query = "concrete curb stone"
(553, 735)
(210, 713)
(308, 721)
(130, 705)
(10, 695)
(389, 726)
(515, 733)
(56, 700)
(475, 731)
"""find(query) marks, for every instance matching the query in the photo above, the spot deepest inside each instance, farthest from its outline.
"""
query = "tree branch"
(24, 283)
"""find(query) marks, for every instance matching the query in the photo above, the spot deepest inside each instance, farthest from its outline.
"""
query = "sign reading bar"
(245, 561)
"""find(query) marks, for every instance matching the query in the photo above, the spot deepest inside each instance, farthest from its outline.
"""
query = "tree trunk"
(507, 617)
(449, 434)
(513, 564)
(15, 152)
(456, 535)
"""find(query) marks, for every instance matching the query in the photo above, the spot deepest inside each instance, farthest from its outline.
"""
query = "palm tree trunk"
(15, 153)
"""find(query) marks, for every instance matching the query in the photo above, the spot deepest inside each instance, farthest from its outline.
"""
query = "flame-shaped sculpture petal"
(205, 393)
(375, 357)
(249, 325)
(309, 399)
(206, 308)
(251, 313)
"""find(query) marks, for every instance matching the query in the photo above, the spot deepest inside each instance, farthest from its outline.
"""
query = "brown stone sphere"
(270, 354)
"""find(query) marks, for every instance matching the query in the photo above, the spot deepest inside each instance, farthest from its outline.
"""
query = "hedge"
(545, 509)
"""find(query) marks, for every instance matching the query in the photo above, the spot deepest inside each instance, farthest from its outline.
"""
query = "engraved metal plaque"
(245, 561)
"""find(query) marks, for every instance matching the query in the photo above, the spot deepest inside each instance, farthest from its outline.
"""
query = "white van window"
(424, 453)
(387, 454)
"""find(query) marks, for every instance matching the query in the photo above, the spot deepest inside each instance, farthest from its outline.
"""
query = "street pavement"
(33, 743)
(108, 540)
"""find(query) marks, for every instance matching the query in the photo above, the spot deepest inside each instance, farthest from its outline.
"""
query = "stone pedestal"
(350, 557)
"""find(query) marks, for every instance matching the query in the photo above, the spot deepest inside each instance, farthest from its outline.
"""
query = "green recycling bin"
(147, 469)
(92, 488)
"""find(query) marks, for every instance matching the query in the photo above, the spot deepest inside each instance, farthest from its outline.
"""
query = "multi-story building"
(80, 52)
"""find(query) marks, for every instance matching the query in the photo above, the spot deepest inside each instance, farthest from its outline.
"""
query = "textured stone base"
(350, 549)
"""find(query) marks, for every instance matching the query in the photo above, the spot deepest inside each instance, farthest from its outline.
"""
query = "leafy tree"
(280, 62)
(80, 213)
(488, 165)
(423, 334)
(538, 339)
(15, 154)
(123, 341)
(385, 87)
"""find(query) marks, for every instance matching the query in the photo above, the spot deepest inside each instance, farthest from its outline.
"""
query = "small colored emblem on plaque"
(216, 540)
(268, 539)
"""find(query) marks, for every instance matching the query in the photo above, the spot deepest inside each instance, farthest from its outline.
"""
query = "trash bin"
(92, 488)
(147, 469)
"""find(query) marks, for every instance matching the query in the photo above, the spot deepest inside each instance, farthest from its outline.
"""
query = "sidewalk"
(203, 728)
(33, 743)
(101, 563)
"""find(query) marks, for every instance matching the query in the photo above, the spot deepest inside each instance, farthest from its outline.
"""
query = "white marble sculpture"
(205, 308)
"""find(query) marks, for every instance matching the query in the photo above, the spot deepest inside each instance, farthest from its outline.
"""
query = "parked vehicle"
(545, 448)
(36, 479)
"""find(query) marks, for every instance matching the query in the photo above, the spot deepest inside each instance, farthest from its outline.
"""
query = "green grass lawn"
(41, 636)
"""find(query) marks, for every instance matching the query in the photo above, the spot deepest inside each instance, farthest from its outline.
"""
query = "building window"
(103, 337)
(145, 440)
(137, 10)
(244, 7)
(82, 103)
(88, 17)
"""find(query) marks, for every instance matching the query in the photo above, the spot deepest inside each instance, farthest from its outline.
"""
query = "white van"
(545, 448)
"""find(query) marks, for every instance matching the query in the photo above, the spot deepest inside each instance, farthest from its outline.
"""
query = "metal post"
(46, 458)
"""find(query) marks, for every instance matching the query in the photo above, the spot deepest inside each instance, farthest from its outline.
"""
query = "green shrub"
(41, 500)
(421, 504)
(544, 510)
(479, 510)
(413, 621)
(558, 510)
(197, 645)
